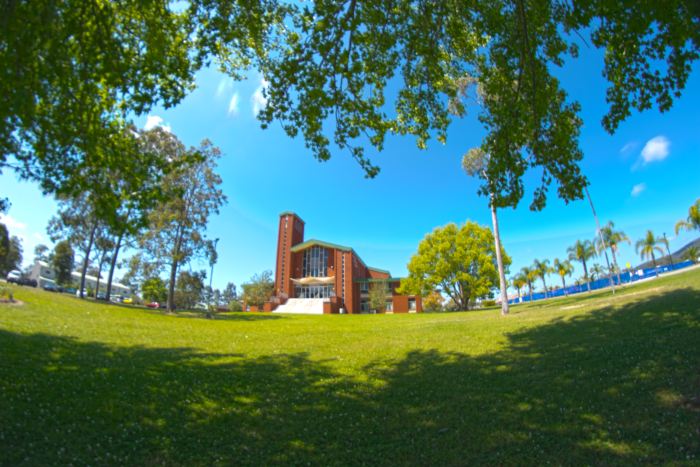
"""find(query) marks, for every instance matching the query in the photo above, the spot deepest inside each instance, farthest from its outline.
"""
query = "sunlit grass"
(594, 379)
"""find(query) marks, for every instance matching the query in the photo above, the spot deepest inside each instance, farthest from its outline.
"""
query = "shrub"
(235, 306)
(486, 303)
(7, 293)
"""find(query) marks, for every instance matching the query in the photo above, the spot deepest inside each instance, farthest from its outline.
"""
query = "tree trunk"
(654, 260)
(171, 287)
(501, 271)
(529, 287)
(113, 264)
(563, 282)
(99, 273)
(545, 287)
(520, 299)
(116, 254)
(87, 258)
(617, 269)
(585, 272)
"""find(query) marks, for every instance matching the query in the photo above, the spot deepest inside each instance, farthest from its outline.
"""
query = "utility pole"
(212, 261)
(602, 240)
(670, 258)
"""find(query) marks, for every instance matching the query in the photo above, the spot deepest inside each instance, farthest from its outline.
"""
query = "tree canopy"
(457, 261)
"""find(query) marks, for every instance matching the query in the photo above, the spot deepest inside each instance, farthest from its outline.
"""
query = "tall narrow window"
(315, 262)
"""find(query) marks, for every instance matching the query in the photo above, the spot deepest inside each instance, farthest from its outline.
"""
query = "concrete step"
(306, 306)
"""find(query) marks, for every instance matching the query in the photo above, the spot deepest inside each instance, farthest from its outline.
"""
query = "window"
(389, 305)
(364, 287)
(390, 288)
(315, 262)
(364, 306)
(411, 303)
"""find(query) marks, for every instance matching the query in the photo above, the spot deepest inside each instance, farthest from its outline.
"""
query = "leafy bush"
(7, 293)
(486, 303)
(235, 305)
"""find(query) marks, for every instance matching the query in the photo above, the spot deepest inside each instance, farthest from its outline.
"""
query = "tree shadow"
(610, 387)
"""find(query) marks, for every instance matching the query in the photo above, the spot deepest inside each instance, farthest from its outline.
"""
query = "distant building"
(318, 277)
(44, 274)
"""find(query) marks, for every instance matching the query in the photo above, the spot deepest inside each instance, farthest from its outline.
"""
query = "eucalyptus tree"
(74, 73)
(582, 251)
(76, 222)
(542, 269)
(529, 276)
(692, 222)
(613, 238)
(338, 58)
(646, 246)
(474, 163)
(176, 227)
(563, 268)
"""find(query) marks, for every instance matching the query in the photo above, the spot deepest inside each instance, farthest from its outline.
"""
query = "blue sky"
(643, 177)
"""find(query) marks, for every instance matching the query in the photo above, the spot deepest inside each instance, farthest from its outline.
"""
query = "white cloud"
(628, 147)
(153, 121)
(233, 106)
(656, 149)
(638, 189)
(38, 236)
(258, 99)
(11, 223)
(225, 83)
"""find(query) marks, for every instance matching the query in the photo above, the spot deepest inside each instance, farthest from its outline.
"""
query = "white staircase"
(306, 306)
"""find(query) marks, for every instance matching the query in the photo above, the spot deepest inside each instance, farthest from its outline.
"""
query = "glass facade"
(315, 291)
(315, 263)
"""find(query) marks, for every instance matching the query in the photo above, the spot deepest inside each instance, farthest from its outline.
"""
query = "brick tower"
(290, 234)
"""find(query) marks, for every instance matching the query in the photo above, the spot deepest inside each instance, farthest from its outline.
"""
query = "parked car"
(77, 293)
(69, 290)
(153, 305)
(29, 282)
(100, 295)
(51, 287)
(116, 299)
(128, 301)
(14, 276)
(159, 305)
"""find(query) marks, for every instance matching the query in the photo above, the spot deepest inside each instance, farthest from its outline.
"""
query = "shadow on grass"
(610, 387)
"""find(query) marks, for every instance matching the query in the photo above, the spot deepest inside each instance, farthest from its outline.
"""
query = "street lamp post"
(211, 277)
(670, 258)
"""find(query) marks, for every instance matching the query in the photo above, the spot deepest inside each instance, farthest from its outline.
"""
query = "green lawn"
(590, 380)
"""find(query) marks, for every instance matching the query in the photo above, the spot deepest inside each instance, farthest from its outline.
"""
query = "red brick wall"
(295, 235)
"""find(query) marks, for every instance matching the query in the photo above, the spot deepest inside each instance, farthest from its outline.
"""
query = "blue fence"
(626, 277)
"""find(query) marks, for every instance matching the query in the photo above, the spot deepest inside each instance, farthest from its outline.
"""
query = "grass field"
(591, 380)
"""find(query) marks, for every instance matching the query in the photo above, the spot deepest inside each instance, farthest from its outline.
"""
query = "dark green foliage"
(189, 289)
(4, 248)
(63, 262)
(75, 71)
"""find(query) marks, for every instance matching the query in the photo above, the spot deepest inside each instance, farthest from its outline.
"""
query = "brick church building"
(318, 277)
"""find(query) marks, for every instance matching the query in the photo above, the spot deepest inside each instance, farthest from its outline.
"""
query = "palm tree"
(613, 238)
(645, 247)
(597, 271)
(519, 282)
(529, 275)
(540, 269)
(691, 254)
(563, 268)
(692, 222)
(582, 251)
